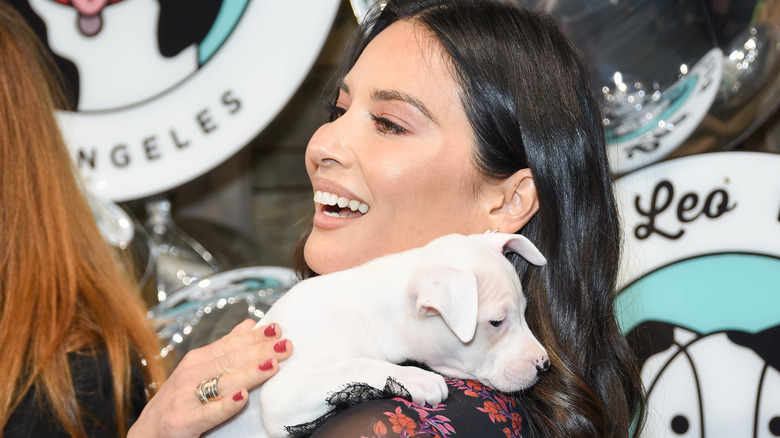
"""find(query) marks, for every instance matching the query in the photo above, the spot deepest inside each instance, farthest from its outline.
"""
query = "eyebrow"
(382, 95)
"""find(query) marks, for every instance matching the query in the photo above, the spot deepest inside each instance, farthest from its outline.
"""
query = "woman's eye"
(497, 323)
(385, 126)
(334, 111)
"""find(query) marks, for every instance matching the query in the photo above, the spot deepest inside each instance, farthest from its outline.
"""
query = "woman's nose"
(329, 146)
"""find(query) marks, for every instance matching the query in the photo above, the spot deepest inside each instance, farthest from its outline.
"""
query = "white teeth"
(326, 198)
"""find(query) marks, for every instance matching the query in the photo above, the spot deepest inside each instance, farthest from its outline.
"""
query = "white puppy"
(455, 305)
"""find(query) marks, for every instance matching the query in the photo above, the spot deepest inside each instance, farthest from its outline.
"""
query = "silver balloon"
(676, 76)
(208, 309)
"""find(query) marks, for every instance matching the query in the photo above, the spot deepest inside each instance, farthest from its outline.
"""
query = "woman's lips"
(343, 203)
(333, 211)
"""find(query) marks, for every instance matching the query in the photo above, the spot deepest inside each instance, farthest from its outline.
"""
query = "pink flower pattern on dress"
(411, 420)
(499, 407)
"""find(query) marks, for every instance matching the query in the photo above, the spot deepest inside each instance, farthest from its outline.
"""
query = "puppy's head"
(471, 310)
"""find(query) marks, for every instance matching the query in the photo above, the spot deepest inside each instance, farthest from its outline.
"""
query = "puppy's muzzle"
(542, 364)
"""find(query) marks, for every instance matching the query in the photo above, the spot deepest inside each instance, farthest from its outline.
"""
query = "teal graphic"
(226, 21)
(706, 294)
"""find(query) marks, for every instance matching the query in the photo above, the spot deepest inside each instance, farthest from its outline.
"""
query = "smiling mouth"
(339, 206)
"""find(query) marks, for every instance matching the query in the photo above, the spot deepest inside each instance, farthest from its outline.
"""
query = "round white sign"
(700, 297)
(149, 121)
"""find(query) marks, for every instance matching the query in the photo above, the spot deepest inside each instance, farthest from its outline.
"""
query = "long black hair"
(526, 92)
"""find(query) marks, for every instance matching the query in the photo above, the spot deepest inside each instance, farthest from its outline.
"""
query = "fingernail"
(270, 331)
(238, 396)
(280, 347)
(266, 365)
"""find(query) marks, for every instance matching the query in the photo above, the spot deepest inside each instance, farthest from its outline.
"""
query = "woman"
(457, 117)
(79, 356)
(463, 116)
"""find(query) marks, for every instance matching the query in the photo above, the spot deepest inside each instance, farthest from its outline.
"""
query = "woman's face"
(398, 157)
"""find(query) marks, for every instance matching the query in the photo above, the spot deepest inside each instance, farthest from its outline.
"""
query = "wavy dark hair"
(526, 92)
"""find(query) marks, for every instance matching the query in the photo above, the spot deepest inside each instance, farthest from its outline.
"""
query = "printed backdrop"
(165, 91)
(700, 296)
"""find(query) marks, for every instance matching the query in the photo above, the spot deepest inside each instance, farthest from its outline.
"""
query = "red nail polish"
(266, 365)
(280, 347)
(270, 331)
(238, 396)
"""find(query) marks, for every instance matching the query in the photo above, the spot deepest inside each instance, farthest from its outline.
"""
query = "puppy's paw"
(425, 387)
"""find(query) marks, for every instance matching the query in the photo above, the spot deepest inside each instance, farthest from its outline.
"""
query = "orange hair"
(62, 289)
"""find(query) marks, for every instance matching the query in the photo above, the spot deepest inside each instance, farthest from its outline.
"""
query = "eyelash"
(334, 111)
(384, 126)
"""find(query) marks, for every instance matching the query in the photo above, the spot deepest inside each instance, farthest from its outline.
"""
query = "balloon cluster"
(676, 77)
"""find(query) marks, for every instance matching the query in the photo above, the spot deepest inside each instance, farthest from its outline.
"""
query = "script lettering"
(715, 205)
(643, 231)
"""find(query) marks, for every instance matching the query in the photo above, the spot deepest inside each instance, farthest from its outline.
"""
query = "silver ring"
(208, 391)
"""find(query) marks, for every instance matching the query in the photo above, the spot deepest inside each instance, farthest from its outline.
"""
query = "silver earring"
(489, 231)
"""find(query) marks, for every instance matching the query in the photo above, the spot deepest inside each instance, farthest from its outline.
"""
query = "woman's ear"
(520, 202)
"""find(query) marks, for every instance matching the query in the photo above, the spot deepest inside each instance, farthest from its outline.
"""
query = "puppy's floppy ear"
(514, 242)
(452, 294)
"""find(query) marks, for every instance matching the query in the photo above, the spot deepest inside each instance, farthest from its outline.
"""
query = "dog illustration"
(722, 384)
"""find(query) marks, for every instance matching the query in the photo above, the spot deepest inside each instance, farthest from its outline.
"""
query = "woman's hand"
(244, 358)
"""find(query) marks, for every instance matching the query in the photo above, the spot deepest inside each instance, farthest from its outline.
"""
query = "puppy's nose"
(542, 364)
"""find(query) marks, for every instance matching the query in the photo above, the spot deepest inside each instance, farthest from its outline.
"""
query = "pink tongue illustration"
(89, 7)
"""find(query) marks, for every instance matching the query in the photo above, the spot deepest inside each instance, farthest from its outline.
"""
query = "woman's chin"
(324, 257)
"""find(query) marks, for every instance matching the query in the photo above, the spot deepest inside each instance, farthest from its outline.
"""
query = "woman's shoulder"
(471, 410)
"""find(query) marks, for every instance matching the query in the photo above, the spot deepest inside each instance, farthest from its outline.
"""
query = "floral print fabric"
(471, 410)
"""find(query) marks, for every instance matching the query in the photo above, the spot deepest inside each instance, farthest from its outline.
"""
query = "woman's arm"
(244, 358)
